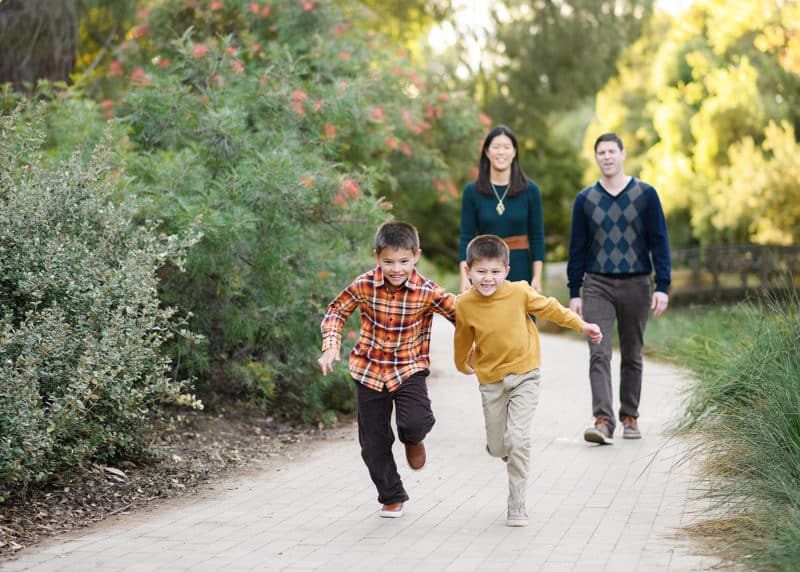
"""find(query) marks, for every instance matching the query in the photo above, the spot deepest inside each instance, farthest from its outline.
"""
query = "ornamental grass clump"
(81, 325)
(746, 420)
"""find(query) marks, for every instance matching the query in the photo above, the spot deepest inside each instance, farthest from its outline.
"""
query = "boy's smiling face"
(488, 275)
(397, 264)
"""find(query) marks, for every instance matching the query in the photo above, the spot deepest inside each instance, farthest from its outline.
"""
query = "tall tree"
(550, 58)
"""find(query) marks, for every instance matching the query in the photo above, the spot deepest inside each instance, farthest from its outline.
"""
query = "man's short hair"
(487, 247)
(609, 137)
(396, 234)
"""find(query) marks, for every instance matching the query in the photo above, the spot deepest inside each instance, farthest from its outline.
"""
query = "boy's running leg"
(414, 417)
(523, 397)
(494, 399)
(376, 437)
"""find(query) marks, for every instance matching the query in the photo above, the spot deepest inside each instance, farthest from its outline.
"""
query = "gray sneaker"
(630, 428)
(517, 515)
(600, 433)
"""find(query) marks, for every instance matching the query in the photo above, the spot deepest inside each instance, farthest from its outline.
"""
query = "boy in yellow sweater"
(497, 340)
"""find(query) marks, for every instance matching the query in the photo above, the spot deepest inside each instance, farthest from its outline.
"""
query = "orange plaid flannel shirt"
(395, 327)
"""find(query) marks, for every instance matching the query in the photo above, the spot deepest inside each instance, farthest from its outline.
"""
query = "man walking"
(617, 226)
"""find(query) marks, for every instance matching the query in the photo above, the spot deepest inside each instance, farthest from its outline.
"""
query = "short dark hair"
(487, 247)
(609, 137)
(396, 234)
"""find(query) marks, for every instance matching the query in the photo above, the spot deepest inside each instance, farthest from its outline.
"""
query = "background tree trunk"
(38, 40)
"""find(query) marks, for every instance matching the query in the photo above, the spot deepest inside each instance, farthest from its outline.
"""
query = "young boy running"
(391, 359)
(496, 339)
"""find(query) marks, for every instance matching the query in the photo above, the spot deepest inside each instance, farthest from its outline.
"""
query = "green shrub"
(81, 326)
(289, 130)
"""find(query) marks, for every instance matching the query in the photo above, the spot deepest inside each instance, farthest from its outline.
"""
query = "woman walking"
(504, 202)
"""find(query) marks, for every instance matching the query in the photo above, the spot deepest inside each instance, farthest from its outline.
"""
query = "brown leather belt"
(518, 242)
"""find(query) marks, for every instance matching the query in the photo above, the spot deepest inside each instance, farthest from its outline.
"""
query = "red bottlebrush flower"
(237, 66)
(350, 188)
(397, 70)
(407, 119)
(265, 11)
(343, 55)
(298, 107)
(415, 79)
(340, 29)
(163, 62)
(377, 113)
(107, 107)
(485, 119)
(329, 130)
(438, 184)
(308, 182)
(308, 6)
(255, 8)
(340, 200)
(451, 189)
(215, 6)
(140, 31)
(386, 205)
(342, 85)
(115, 68)
(142, 14)
(299, 95)
(139, 77)
(230, 50)
(444, 96)
(318, 105)
(199, 50)
(405, 148)
(391, 143)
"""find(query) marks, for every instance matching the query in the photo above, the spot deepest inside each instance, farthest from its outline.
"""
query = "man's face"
(397, 264)
(488, 275)
(609, 157)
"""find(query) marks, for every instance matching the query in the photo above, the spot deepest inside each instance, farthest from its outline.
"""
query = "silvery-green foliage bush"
(81, 325)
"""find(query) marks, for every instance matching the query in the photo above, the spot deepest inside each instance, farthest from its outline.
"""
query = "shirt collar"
(414, 281)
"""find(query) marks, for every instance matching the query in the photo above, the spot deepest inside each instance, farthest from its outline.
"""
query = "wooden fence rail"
(733, 272)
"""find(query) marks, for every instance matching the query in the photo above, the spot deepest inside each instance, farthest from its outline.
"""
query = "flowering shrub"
(81, 325)
(292, 132)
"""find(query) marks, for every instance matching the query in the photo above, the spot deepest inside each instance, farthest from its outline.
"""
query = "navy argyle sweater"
(618, 235)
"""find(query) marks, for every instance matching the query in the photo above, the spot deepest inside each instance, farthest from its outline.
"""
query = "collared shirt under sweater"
(394, 341)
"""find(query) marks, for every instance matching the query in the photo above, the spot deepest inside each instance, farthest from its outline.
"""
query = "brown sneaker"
(600, 433)
(630, 428)
(415, 455)
(392, 510)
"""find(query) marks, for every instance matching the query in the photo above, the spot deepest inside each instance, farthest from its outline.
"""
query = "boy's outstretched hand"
(326, 360)
(593, 331)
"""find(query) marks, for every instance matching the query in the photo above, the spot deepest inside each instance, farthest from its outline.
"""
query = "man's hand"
(326, 360)
(576, 305)
(659, 303)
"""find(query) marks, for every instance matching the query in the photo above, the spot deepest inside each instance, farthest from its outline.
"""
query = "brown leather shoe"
(415, 455)
(392, 510)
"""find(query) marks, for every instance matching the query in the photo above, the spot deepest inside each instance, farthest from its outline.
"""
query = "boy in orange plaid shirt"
(390, 361)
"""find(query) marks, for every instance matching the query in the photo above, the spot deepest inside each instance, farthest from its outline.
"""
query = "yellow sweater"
(506, 339)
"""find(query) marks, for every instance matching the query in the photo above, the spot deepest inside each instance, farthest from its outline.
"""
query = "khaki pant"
(508, 408)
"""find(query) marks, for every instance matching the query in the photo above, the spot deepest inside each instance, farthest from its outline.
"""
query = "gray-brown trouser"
(626, 301)
(508, 408)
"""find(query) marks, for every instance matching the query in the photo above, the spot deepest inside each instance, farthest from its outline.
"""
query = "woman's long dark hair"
(518, 181)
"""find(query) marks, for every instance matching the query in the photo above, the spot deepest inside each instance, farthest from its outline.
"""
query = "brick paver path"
(591, 508)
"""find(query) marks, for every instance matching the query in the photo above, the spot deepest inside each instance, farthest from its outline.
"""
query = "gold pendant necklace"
(501, 208)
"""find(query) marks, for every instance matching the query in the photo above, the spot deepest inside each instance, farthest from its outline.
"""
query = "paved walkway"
(591, 508)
